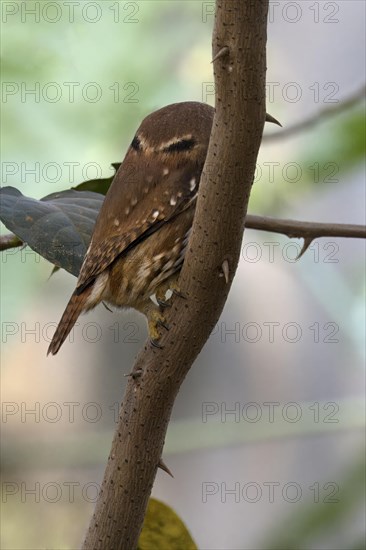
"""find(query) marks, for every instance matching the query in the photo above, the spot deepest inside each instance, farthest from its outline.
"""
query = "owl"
(142, 230)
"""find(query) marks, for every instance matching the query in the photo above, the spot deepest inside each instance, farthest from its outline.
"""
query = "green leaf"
(328, 513)
(58, 227)
(164, 530)
(98, 186)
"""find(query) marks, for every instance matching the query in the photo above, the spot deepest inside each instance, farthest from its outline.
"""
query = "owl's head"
(175, 131)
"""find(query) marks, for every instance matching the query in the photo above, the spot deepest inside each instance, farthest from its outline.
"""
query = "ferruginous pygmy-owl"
(141, 233)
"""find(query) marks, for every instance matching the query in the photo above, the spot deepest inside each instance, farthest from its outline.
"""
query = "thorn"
(54, 270)
(134, 374)
(305, 246)
(221, 53)
(165, 468)
(270, 118)
(225, 270)
(107, 307)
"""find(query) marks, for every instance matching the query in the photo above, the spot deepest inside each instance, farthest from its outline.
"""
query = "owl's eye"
(180, 145)
(136, 144)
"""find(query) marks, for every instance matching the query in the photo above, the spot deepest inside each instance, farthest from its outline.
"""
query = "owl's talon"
(155, 344)
(178, 293)
(163, 304)
(156, 320)
(162, 323)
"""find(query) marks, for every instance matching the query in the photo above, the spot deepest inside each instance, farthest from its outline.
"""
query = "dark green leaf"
(58, 227)
(98, 186)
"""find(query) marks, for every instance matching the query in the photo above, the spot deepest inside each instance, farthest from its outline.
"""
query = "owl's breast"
(136, 275)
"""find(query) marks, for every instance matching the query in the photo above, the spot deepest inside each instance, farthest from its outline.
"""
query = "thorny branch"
(320, 116)
(291, 228)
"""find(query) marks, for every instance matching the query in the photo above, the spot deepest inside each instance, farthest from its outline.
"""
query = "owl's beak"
(270, 118)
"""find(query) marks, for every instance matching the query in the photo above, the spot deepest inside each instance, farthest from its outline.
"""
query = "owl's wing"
(144, 195)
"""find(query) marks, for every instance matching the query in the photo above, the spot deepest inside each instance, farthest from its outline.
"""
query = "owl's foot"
(170, 285)
(155, 321)
(160, 296)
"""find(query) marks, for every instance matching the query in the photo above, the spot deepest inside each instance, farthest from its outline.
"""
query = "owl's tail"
(73, 309)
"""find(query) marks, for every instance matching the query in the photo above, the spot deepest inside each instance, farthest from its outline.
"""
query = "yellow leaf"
(164, 530)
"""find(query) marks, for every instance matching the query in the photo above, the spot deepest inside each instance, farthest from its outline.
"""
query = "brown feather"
(73, 309)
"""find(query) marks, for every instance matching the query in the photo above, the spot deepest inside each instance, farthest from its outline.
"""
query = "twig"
(9, 241)
(305, 230)
(320, 116)
(291, 228)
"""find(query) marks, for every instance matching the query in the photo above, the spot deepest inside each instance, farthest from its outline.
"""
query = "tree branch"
(305, 230)
(216, 236)
(9, 241)
(291, 228)
(313, 120)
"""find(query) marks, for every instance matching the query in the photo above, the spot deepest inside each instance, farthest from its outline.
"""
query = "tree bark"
(240, 28)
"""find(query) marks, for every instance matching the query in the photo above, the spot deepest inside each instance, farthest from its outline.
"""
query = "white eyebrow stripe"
(173, 141)
(145, 146)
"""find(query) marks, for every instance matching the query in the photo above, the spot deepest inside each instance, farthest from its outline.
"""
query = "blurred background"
(266, 440)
